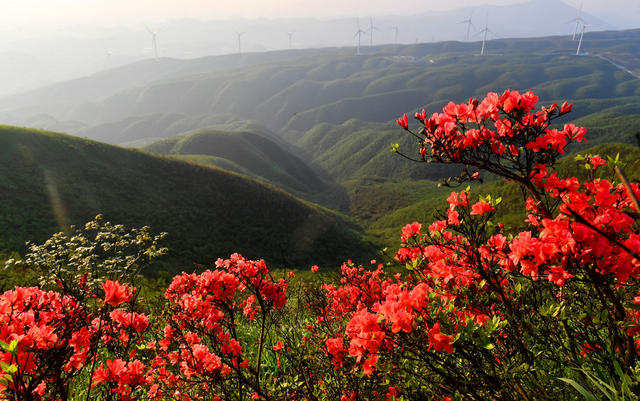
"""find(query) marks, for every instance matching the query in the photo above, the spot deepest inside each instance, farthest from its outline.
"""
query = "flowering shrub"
(489, 313)
(48, 338)
(52, 339)
(474, 309)
(212, 322)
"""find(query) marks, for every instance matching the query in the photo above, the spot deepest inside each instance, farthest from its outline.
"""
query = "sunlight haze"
(60, 12)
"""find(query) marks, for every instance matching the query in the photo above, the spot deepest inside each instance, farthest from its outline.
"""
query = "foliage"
(53, 335)
(254, 154)
(98, 251)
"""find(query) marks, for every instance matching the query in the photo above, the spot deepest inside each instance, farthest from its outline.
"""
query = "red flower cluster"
(200, 338)
(498, 134)
(54, 336)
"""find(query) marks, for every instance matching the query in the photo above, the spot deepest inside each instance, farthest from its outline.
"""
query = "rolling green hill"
(355, 150)
(255, 155)
(303, 121)
(339, 109)
(291, 92)
(48, 181)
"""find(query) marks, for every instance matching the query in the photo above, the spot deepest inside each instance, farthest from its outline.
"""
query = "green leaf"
(587, 395)
(13, 346)
(10, 369)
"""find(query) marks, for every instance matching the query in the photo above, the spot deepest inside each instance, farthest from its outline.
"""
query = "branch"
(608, 236)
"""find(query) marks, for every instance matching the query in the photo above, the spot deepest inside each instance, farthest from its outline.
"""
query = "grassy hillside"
(313, 103)
(255, 155)
(338, 108)
(370, 88)
(48, 181)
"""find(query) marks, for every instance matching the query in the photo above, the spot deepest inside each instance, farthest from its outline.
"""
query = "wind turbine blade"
(480, 32)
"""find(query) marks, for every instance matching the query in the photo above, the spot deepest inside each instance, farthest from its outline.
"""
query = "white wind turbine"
(359, 32)
(395, 35)
(290, 34)
(370, 30)
(484, 33)
(154, 42)
(239, 34)
(469, 24)
(579, 21)
(108, 54)
(584, 26)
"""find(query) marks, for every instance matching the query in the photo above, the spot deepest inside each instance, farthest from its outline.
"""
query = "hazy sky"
(61, 12)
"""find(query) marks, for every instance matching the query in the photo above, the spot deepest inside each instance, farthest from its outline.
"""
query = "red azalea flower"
(403, 122)
(481, 208)
(115, 293)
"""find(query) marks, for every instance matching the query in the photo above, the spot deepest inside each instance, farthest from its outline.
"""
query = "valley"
(317, 124)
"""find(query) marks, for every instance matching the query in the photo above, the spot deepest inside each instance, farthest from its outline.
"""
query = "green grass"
(48, 181)
(258, 155)
(245, 152)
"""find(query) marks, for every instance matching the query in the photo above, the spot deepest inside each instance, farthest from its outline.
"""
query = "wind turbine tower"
(469, 25)
(484, 33)
(154, 42)
(109, 54)
(579, 21)
(290, 34)
(371, 29)
(581, 35)
(359, 32)
(395, 35)
(239, 34)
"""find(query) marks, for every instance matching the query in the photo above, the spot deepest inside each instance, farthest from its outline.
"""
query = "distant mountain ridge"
(71, 51)
(309, 103)
(274, 88)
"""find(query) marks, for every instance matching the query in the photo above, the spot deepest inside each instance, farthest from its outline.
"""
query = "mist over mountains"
(66, 52)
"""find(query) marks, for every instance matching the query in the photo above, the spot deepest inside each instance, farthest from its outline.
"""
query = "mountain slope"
(313, 102)
(48, 181)
(334, 85)
(254, 154)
